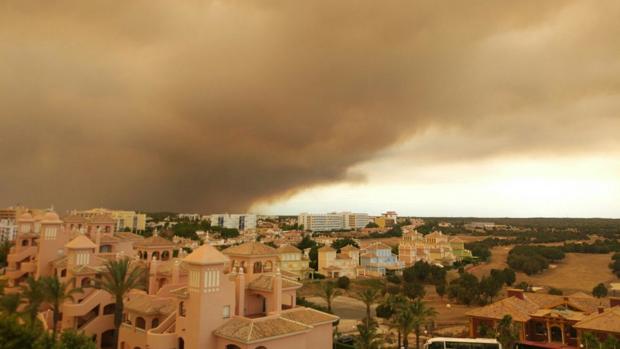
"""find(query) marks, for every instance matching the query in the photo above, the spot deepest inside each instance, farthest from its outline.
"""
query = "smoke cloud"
(216, 105)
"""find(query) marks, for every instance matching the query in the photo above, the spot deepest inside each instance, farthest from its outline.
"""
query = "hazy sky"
(475, 108)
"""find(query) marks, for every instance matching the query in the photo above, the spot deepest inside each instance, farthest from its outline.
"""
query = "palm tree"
(368, 338)
(422, 314)
(328, 293)
(119, 278)
(405, 321)
(369, 296)
(396, 302)
(9, 304)
(34, 293)
(56, 293)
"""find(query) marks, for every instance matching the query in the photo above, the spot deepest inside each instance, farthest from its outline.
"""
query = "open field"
(577, 272)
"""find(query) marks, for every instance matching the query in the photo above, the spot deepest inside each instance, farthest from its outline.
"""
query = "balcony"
(21, 255)
(14, 273)
(97, 297)
(28, 267)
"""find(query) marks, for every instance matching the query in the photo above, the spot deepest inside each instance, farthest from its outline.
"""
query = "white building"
(8, 229)
(332, 221)
(241, 222)
(189, 216)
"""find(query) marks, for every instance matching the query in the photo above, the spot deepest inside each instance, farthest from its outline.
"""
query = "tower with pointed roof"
(52, 239)
(211, 297)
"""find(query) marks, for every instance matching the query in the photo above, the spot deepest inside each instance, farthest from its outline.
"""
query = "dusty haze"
(213, 106)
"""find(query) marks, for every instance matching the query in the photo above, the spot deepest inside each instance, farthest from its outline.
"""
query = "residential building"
(384, 222)
(334, 264)
(479, 226)
(241, 222)
(390, 215)
(378, 258)
(332, 221)
(233, 299)
(293, 262)
(190, 216)
(8, 229)
(556, 321)
(432, 248)
(124, 220)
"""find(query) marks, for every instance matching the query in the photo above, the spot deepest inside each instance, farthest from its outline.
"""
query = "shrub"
(343, 282)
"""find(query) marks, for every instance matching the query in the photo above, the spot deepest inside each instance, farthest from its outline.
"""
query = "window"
(140, 323)
(50, 233)
(82, 258)
(25, 228)
(540, 328)
(154, 323)
(194, 278)
(182, 309)
(436, 345)
(226, 312)
(258, 267)
(268, 266)
(212, 279)
(109, 309)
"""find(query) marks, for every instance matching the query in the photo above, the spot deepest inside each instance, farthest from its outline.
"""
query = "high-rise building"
(332, 221)
(241, 222)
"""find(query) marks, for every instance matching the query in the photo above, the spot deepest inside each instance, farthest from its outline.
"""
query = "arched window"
(181, 343)
(63, 273)
(165, 256)
(140, 323)
(181, 308)
(85, 283)
(258, 267)
(24, 242)
(232, 346)
(268, 267)
(109, 309)
(155, 255)
(154, 323)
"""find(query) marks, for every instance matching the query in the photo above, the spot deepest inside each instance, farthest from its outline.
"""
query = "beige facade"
(346, 263)
(293, 261)
(432, 248)
(124, 220)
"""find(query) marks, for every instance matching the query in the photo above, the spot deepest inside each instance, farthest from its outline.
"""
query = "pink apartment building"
(209, 299)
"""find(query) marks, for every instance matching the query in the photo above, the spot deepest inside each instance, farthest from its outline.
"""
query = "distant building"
(378, 259)
(8, 229)
(333, 221)
(240, 222)
(432, 248)
(190, 216)
(345, 263)
(125, 220)
(479, 226)
(555, 321)
(384, 222)
(293, 262)
(390, 215)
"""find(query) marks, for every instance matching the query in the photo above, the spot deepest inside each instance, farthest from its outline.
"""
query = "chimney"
(515, 292)
(175, 272)
(153, 276)
(614, 301)
(240, 292)
(277, 292)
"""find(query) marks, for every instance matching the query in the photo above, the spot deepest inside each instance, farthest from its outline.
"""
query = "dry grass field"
(577, 272)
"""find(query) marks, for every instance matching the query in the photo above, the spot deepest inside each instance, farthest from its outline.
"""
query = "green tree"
(15, 336)
(422, 314)
(343, 282)
(507, 332)
(33, 291)
(9, 304)
(5, 247)
(55, 294)
(369, 296)
(599, 291)
(368, 338)
(340, 243)
(590, 341)
(329, 292)
(440, 288)
(73, 340)
(119, 278)
(509, 276)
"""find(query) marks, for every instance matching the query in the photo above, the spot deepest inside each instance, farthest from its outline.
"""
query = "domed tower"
(211, 296)
(52, 239)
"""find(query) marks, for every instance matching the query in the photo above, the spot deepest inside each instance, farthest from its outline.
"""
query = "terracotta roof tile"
(246, 330)
(251, 249)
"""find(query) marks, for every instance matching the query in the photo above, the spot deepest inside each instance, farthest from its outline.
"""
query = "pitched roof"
(607, 321)
(252, 248)
(349, 248)
(265, 283)
(246, 330)
(288, 249)
(154, 240)
(517, 308)
(206, 255)
(308, 316)
(126, 235)
(80, 242)
(149, 304)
